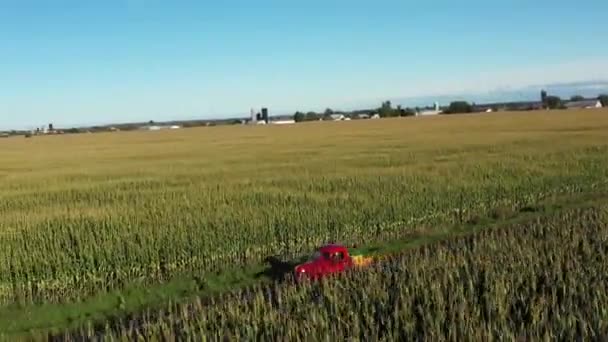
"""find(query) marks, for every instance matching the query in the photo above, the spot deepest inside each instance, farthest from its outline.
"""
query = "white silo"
(254, 118)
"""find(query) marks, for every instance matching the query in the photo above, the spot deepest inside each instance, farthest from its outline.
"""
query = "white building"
(337, 117)
(158, 128)
(584, 104)
(283, 122)
(434, 111)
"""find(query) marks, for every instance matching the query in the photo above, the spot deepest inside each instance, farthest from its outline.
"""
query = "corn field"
(87, 214)
(542, 280)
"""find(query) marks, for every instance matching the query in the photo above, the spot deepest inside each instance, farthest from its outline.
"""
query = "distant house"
(435, 111)
(158, 127)
(282, 122)
(584, 104)
(152, 128)
(337, 117)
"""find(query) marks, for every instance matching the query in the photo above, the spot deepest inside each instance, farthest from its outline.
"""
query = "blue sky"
(88, 62)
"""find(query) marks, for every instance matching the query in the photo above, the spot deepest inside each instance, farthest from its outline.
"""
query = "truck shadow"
(277, 270)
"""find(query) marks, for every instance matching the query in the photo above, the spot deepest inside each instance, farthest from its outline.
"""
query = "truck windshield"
(316, 255)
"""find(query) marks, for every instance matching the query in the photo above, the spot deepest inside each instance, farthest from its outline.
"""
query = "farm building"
(337, 117)
(584, 104)
(282, 122)
(365, 116)
(158, 128)
(435, 111)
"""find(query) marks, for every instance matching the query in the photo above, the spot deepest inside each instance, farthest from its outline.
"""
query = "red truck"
(329, 259)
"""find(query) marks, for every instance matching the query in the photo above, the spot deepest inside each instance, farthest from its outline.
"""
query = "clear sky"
(87, 62)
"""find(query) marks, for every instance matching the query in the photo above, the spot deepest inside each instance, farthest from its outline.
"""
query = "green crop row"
(542, 280)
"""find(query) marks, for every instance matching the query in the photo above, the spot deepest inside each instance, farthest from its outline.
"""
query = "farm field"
(546, 279)
(87, 215)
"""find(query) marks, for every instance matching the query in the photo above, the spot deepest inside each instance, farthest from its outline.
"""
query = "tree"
(404, 111)
(328, 112)
(312, 116)
(577, 98)
(408, 112)
(299, 117)
(543, 97)
(386, 110)
(457, 107)
(603, 99)
(554, 102)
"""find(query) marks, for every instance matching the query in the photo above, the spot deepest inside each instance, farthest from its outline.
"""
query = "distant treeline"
(385, 110)
(546, 102)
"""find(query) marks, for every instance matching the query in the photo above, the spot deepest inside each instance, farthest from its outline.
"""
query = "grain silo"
(254, 117)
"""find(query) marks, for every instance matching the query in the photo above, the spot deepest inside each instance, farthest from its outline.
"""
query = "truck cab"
(329, 259)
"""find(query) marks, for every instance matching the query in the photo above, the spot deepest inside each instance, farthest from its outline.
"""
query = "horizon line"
(455, 95)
